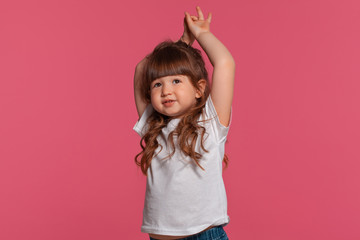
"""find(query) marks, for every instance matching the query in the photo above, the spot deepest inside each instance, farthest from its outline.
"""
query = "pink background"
(67, 112)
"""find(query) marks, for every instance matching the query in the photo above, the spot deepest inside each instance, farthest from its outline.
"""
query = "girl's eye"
(157, 85)
(176, 81)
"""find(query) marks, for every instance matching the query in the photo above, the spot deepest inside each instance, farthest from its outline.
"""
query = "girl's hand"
(197, 24)
(187, 36)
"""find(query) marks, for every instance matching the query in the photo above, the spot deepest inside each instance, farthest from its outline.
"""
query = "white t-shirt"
(181, 198)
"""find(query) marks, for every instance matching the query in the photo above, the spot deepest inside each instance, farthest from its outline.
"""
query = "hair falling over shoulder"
(174, 58)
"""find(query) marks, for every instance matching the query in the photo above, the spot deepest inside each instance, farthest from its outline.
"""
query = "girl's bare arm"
(222, 61)
(139, 101)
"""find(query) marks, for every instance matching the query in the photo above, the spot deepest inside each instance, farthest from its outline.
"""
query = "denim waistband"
(215, 233)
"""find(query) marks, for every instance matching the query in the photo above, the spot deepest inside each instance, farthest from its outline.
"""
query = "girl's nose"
(165, 90)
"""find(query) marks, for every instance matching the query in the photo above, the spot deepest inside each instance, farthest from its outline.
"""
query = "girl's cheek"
(153, 96)
(156, 92)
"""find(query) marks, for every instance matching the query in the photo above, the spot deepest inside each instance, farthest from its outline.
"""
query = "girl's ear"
(201, 85)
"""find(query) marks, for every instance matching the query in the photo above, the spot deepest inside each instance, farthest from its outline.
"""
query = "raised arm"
(222, 61)
(139, 101)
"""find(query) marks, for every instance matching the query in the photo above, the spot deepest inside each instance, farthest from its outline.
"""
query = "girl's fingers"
(209, 17)
(201, 15)
(188, 18)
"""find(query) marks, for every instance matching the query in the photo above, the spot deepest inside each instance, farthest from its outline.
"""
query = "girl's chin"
(172, 115)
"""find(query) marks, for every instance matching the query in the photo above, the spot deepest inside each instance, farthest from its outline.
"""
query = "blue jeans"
(215, 233)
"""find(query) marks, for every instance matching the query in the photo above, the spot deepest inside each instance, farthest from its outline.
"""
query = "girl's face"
(173, 95)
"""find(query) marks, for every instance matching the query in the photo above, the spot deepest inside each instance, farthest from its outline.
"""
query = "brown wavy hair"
(174, 58)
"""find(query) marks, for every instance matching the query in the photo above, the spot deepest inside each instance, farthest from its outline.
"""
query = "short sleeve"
(220, 130)
(141, 125)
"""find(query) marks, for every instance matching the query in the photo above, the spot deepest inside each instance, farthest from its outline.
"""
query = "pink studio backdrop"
(67, 112)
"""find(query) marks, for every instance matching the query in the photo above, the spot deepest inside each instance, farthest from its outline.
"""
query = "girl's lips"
(168, 103)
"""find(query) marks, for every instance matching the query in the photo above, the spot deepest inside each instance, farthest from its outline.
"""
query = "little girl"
(183, 128)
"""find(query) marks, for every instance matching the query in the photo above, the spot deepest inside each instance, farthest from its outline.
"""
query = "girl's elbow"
(232, 63)
(228, 64)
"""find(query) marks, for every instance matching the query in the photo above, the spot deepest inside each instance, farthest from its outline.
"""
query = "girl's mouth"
(168, 103)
